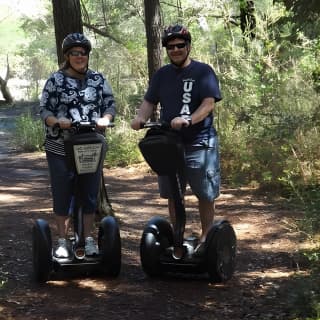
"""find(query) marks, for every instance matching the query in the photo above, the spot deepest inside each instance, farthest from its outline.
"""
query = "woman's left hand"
(103, 122)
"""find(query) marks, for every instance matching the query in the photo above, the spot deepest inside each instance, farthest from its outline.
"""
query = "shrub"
(29, 133)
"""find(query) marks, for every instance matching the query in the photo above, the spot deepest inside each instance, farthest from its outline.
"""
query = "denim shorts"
(202, 172)
(63, 182)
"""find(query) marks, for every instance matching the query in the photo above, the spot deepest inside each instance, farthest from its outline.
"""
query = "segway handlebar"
(156, 124)
(83, 125)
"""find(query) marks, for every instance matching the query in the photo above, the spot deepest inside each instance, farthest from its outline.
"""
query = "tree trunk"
(3, 85)
(67, 19)
(247, 18)
(5, 91)
(153, 27)
(153, 32)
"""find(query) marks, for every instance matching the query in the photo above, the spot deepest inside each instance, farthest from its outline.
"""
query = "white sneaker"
(91, 247)
(62, 249)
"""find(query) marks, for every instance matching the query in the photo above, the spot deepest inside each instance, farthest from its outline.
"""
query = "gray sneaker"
(61, 250)
(91, 247)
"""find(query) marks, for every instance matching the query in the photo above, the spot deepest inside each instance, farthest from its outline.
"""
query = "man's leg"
(206, 210)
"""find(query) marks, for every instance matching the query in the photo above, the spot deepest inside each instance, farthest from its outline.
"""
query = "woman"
(73, 93)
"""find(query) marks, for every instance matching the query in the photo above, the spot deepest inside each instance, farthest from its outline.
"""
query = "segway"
(85, 152)
(163, 151)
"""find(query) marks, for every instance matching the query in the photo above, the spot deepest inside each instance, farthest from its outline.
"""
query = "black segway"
(163, 151)
(85, 150)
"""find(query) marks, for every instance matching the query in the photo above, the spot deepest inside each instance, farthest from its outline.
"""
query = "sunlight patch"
(93, 285)
(5, 197)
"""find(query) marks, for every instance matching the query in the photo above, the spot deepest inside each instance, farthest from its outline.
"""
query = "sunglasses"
(178, 45)
(76, 53)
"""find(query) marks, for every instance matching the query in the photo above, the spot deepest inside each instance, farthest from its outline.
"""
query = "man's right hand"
(136, 123)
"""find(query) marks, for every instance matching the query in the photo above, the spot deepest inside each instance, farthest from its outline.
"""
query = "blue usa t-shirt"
(180, 92)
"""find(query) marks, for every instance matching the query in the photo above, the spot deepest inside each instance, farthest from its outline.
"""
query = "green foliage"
(28, 134)
(10, 35)
(309, 304)
(269, 103)
(122, 145)
(304, 297)
(309, 199)
(122, 140)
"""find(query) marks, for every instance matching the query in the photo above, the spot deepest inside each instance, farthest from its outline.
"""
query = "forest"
(265, 53)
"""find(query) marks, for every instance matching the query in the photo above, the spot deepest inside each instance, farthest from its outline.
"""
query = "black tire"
(110, 246)
(41, 251)
(156, 237)
(221, 248)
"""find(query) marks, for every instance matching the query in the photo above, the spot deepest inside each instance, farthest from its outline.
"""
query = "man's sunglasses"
(76, 53)
(178, 45)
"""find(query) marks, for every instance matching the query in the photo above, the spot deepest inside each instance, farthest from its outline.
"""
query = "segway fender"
(42, 250)
(156, 236)
(110, 246)
(150, 254)
(221, 251)
(161, 228)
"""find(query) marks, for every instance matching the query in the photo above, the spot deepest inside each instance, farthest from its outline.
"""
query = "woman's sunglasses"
(178, 45)
(76, 53)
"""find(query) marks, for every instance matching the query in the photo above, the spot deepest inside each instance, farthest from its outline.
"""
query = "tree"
(153, 32)
(3, 85)
(247, 18)
(306, 17)
(67, 19)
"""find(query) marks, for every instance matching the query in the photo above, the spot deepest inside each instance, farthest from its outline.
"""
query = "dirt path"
(258, 290)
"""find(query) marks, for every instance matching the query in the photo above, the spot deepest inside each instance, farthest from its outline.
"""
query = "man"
(187, 91)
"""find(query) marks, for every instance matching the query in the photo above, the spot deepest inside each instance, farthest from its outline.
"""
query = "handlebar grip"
(142, 125)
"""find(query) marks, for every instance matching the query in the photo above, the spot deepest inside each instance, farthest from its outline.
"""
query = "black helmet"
(75, 40)
(176, 31)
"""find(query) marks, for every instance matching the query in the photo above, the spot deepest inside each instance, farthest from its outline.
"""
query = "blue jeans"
(63, 182)
(202, 172)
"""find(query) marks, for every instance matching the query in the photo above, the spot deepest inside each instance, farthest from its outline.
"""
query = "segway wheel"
(110, 246)
(221, 251)
(41, 251)
(156, 237)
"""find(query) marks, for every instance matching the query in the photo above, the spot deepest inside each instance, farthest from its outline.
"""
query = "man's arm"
(144, 113)
(205, 108)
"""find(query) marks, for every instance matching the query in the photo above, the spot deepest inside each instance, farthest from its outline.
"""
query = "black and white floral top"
(76, 99)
